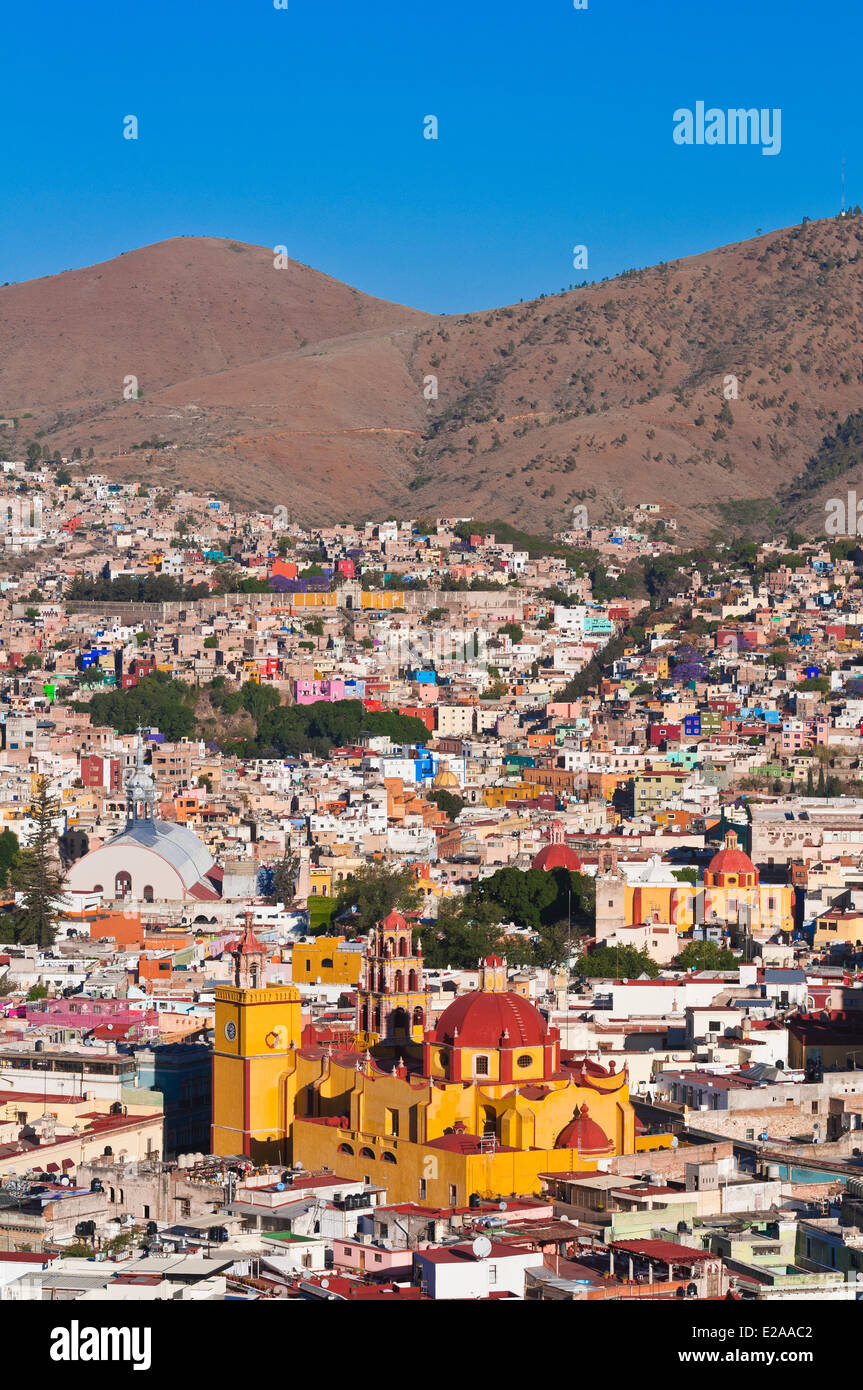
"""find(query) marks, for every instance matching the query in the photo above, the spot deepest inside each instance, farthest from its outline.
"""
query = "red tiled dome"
(584, 1135)
(394, 921)
(731, 860)
(482, 1019)
(557, 856)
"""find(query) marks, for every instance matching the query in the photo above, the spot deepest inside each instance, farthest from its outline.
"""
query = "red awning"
(53, 1168)
(68, 1163)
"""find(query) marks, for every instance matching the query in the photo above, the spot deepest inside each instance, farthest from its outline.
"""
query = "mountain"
(288, 387)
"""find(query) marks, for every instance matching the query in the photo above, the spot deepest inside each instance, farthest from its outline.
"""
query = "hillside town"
(414, 910)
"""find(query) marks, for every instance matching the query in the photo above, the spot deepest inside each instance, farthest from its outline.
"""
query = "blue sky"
(304, 127)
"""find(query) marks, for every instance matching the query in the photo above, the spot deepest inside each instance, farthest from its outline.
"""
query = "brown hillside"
(608, 394)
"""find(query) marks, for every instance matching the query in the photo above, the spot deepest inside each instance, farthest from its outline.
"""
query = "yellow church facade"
(731, 894)
(487, 1105)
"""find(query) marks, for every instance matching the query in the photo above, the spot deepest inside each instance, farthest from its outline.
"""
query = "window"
(453, 1194)
(423, 1189)
(387, 1157)
(480, 1066)
(524, 1060)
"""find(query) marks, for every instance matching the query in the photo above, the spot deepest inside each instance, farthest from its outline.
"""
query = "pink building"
(308, 692)
(373, 1259)
(82, 1013)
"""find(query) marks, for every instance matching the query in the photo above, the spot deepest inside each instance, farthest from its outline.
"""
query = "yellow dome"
(445, 778)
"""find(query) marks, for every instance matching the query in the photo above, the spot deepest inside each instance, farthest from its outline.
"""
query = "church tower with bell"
(392, 999)
(258, 1031)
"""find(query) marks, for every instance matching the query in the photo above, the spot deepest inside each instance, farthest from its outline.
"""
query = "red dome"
(731, 859)
(394, 921)
(585, 1135)
(482, 1018)
(557, 856)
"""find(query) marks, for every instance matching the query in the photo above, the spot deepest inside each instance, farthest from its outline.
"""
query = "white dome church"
(150, 860)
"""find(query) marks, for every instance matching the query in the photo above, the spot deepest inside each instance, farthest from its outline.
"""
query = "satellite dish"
(325, 1283)
(675, 1142)
(501, 1206)
(481, 1247)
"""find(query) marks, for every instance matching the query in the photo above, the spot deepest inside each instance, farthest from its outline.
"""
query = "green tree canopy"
(706, 955)
(372, 892)
(616, 963)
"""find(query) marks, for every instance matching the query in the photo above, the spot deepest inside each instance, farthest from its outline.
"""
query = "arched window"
(419, 1016)
(403, 947)
(399, 982)
(346, 1149)
(387, 1157)
(412, 981)
(364, 1018)
(148, 892)
(122, 884)
(326, 963)
(97, 888)
(367, 1153)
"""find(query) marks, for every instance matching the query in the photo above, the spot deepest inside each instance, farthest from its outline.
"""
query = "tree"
(36, 874)
(9, 851)
(706, 955)
(283, 887)
(685, 875)
(373, 891)
(465, 932)
(616, 963)
(448, 803)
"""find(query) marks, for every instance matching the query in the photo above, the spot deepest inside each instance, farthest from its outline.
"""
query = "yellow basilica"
(482, 1102)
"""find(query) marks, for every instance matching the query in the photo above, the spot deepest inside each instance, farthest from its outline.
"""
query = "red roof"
(481, 1019)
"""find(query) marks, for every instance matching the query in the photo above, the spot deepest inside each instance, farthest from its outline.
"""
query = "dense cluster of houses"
(707, 784)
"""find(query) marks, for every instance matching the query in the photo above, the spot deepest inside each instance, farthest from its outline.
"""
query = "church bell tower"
(258, 1032)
